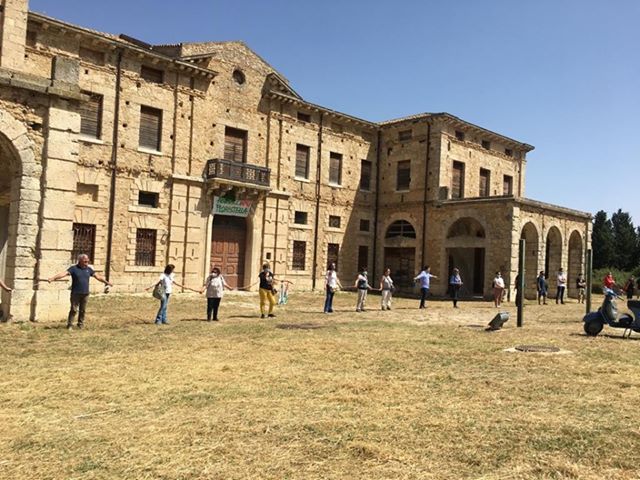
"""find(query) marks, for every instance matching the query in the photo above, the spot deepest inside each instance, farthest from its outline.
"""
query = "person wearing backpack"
(162, 290)
(214, 285)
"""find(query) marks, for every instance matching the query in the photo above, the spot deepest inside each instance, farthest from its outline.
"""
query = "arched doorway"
(553, 258)
(531, 255)
(466, 251)
(575, 262)
(400, 253)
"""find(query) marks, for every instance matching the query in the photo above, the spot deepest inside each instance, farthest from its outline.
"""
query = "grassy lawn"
(404, 394)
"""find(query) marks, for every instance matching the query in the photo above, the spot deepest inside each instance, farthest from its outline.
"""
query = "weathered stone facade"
(78, 110)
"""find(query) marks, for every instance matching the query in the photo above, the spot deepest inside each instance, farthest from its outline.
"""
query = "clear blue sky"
(562, 75)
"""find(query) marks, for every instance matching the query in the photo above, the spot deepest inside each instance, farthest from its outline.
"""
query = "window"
(152, 75)
(457, 180)
(364, 225)
(304, 117)
(459, 135)
(401, 228)
(508, 185)
(150, 128)
(91, 116)
(335, 168)
(405, 135)
(145, 247)
(333, 250)
(148, 199)
(87, 191)
(239, 77)
(363, 256)
(91, 56)
(302, 161)
(365, 175)
(485, 183)
(334, 221)
(300, 218)
(508, 152)
(486, 144)
(403, 175)
(299, 255)
(235, 142)
(84, 241)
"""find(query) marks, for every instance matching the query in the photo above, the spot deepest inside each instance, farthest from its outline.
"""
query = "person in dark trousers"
(455, 284)
(80, 274)
(629, 287)
(542, 286)
(424, 277)
(332, 282)
(214, 285)
(562, 285)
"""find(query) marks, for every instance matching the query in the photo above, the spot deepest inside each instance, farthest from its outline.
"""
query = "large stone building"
(194, 154)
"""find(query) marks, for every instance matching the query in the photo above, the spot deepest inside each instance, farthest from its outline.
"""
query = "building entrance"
(228, 241)
(401, 261)
(470, 262)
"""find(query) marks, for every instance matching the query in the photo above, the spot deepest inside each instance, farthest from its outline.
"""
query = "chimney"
(13, 33)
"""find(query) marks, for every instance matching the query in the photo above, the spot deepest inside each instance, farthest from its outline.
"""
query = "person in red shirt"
(608, 281)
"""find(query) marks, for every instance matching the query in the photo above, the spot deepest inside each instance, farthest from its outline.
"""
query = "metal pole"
(521, 273)
(589, 279)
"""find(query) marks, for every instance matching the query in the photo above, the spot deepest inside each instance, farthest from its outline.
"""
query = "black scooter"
(608, 314)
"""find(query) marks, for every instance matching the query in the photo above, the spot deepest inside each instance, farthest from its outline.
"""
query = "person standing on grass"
(608, 281)
(80, 274)
(386, 288)
(424, 277)
(168, 279)
(332, 282)
(362, 284)
(455, 284)
(629, 287)
(498, 289)
(214, 285)
(266, 291)
(562, 285)
(581, 286)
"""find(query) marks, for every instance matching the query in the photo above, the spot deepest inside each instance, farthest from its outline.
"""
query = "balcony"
(223, 171)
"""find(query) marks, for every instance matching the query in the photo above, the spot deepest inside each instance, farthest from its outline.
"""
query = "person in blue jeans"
(424, 277)
(168, 277)
(331, 286)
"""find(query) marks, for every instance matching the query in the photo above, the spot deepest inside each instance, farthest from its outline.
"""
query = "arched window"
(401, 228)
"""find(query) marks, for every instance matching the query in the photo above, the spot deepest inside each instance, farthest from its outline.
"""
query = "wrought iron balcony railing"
(219, 168)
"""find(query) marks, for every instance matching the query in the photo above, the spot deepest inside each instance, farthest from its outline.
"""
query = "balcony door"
(228, 244)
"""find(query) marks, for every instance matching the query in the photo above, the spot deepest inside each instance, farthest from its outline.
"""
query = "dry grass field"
(404, 394)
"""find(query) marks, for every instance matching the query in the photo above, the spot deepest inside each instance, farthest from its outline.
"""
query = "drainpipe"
(317, 219)
(114, 163)
(186, 221)
(424, 201)
(275, 238)
(377, 205)
(173, 163)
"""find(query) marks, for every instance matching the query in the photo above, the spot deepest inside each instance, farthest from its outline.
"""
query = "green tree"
(602, 241)
(625, 241)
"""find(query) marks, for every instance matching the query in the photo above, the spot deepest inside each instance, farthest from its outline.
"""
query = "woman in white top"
(386, 287)
(331, 286)
(214, 285)
(498, 289)
(168, 280)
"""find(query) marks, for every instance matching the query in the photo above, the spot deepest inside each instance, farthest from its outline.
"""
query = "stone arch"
(532, 251)
(553, 257)
(400, 241)
(465, 249)
(466, 227)
(19, 206)
(575, 264)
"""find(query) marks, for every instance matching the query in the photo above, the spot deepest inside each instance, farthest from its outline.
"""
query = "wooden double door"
(228, 244)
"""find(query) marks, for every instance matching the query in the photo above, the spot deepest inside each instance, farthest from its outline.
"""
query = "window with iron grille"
(150, 128)
(485, 183)
(91, 116)
(364, 225)
(363, 256)
(459, 136)
(401, 228)
(405, 135)
(145, 247)
(299, 255)
(334, 221)
(333, 250)
(508, 185)
(457, 180)
(84, 240)
(91, 56)
(335, 168)
(486, 144)
(304, 117)
(403, 175)
(235, 143)
(151, 74)
(300, 218)
(365, 175)
(148, 199)
(302, 161)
